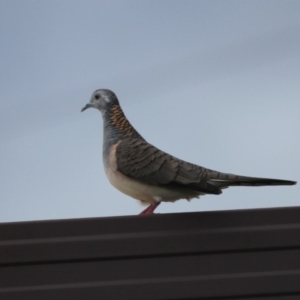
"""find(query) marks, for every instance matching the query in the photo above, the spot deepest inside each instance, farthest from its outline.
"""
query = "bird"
(150, 175)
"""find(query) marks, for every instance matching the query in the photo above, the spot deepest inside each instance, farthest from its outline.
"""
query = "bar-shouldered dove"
(142, 171)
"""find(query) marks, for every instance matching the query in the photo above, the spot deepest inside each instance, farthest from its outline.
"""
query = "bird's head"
(102, 99)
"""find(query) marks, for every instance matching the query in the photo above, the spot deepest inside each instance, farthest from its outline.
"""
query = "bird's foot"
(150, 209)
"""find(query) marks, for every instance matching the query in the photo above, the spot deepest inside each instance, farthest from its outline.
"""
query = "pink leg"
(150, 209)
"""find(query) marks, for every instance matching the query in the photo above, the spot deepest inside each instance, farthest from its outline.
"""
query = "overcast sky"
(216, 83)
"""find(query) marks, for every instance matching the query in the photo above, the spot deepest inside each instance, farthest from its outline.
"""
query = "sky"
(215, 83)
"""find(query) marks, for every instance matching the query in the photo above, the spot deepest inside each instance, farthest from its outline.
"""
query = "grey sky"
(212, 82)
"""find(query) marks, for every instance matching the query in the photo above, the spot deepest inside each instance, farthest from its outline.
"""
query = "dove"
(150, 175)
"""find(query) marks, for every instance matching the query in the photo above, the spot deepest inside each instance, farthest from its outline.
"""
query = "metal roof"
(241, 254)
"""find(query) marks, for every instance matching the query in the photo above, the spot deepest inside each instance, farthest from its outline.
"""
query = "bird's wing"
(141, 161)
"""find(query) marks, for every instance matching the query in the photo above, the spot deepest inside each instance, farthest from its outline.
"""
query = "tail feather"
(223, 180)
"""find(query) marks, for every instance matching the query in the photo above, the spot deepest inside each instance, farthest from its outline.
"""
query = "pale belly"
(145, 192)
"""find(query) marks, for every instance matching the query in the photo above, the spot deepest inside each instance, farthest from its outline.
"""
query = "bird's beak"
(89, 105)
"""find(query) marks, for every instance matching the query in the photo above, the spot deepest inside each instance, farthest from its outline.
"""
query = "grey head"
(116, 124)
(103, 100)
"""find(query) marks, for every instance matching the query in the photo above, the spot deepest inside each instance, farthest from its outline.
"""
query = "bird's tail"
(223, 180)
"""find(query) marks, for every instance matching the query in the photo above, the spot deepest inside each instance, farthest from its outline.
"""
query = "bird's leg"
(150, 209)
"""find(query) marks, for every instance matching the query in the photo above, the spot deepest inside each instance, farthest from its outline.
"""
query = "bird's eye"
(97, 97)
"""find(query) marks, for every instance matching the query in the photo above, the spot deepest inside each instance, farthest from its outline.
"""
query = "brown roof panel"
(242, 254)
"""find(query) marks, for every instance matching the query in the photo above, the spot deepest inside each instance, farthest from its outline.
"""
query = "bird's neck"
(117, 124)
(116, 127)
